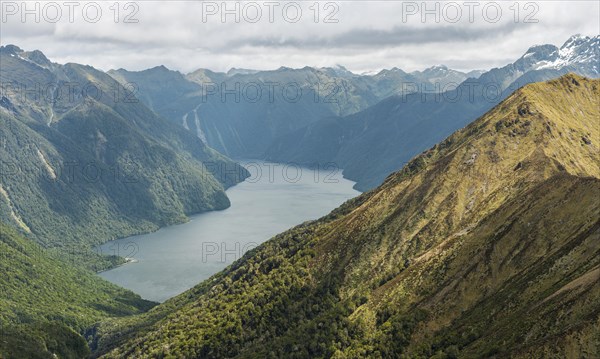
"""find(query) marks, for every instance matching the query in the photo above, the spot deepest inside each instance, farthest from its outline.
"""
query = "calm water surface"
(275, 198)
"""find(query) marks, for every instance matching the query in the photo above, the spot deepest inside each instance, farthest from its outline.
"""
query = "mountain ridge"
(76, 146)
(219, 107)
(449, 257)
(372, 143)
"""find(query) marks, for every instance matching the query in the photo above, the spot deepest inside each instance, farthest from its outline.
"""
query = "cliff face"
(485, 245)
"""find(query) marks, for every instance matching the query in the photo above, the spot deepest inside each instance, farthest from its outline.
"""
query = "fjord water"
(275, 198)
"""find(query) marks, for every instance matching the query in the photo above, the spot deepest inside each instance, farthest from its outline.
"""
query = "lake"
(276, 197)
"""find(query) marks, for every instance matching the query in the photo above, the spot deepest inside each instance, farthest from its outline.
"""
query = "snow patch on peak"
(438, 67)
(575, 40)
(577, 49)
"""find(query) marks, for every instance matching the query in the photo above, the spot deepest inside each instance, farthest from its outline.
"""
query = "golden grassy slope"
(446, 191)
(469, 216)
(486, 245)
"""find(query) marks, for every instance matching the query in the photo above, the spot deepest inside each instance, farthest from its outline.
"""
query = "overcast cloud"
(361, 35)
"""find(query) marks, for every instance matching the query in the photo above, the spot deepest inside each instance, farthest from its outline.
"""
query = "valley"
(104, 158)
(435, 262)
(203, 188)
(273, 199)
(370, 125)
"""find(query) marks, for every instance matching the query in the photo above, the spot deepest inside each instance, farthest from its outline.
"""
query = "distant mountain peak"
(339, 70)
(578, 49)
(436, 70)
(10, 49)
(393, 69)
(575, 40)
(235, 71)
(438, 67)
(540, 51)
(36, 56)
(39, 58)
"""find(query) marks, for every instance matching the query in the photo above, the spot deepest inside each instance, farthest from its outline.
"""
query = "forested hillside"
(484, 245)
(47, 305)
(84, 161)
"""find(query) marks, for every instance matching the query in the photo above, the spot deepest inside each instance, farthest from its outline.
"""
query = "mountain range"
(485, 245)
(369, 125)
(477, 236)
(373, 143)
(84, 161)
(239, 113)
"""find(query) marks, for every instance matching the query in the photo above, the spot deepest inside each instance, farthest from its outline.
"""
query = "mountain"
(47, 304)
(234, 71)
(282, 115)
(78, 150)
(485, 245)
(475, 73)
(171, 84)
(240, 113)
(442, 76)
(377, 141)
(577, 50)
(578, 54)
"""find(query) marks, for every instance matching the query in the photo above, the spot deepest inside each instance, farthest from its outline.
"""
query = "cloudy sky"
(360, 35)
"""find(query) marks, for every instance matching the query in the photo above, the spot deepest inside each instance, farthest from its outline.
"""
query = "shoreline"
(128, 260)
